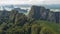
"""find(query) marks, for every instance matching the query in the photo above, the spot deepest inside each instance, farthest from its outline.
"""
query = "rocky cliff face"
(39, 12)
(4, 16)
(54, 17)
(12, 17)
(36, 12)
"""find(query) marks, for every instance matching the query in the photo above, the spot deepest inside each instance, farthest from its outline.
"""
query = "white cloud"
(36, 2)
(13, 1)
(29, 2)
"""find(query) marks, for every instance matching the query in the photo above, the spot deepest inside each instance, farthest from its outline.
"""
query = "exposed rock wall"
(39, 12)
(54, 17)
(12, 17)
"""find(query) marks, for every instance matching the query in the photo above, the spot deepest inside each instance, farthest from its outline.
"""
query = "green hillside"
(37, 27)
(51, 26)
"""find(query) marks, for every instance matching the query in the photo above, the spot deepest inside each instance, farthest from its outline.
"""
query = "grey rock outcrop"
(39, 12)
(12, 17)
(54, 17)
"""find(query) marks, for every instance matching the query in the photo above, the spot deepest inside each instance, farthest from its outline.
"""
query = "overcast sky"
(8, 2)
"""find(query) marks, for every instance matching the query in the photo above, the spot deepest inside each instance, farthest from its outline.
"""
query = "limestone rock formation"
(12, 17)
(39, 12)
(54, 17)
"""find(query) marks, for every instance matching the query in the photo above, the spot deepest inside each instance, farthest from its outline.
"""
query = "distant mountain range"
(9, 7)
(54, 6)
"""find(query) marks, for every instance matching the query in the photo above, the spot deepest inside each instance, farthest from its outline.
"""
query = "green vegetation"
(36, 27)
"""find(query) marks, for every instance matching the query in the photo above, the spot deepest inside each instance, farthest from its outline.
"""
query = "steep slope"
(39, 12)
(36, 27)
